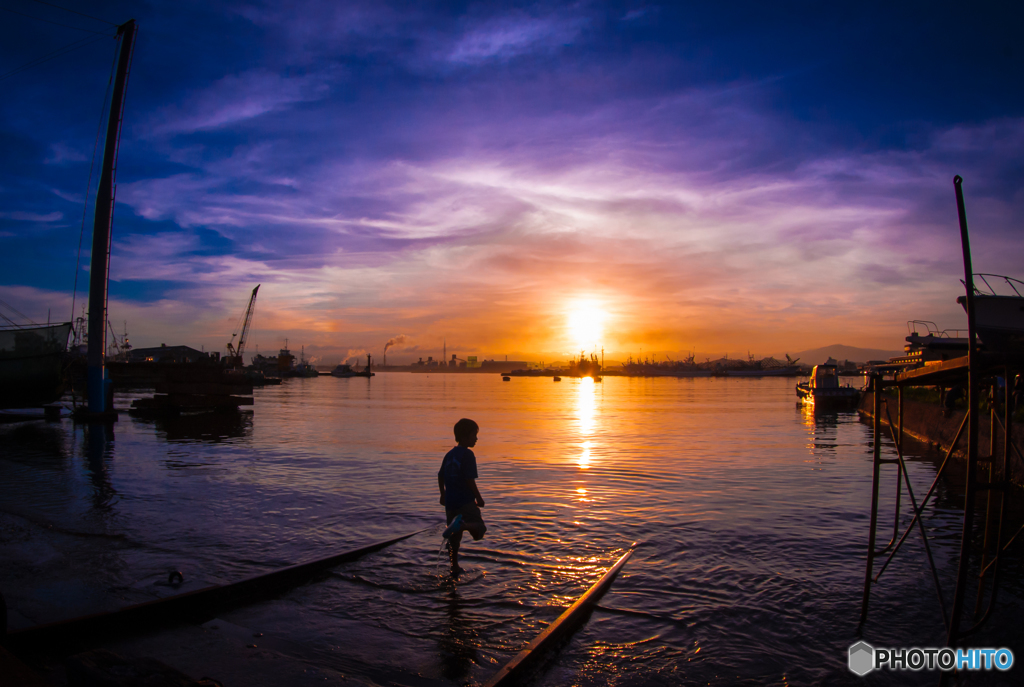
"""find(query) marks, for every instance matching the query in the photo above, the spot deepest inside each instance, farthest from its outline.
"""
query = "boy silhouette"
(459, 494)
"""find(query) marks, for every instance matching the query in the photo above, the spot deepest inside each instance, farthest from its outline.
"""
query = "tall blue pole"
(96, 386)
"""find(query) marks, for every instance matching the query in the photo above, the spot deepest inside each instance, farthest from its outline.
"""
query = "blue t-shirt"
(457, 468)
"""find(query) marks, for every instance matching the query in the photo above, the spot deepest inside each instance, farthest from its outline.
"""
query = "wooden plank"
(931, 373)
(955, 371)
(516, 669)
(196, 606)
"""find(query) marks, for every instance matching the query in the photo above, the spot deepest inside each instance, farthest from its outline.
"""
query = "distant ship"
(275, 366)
(668, 368)
(345, 371)
(584, 366)
(766, 367)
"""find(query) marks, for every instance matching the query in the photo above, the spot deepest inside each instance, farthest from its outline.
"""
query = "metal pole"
(101, 230)
(876, 400)
(972, 425)
(899, 466)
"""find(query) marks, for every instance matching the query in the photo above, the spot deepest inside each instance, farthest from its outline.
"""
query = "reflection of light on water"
(582, 493)
(585, 406)
(807, 411)
(584, 461)
(586, 413)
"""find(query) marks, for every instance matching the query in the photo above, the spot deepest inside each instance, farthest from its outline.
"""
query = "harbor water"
(750, 514)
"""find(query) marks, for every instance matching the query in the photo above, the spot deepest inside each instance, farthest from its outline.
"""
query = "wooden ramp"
(66, 636)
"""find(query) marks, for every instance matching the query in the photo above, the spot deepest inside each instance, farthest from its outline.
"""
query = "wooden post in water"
(100, 259)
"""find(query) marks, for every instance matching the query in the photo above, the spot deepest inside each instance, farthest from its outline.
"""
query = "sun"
(586, 324)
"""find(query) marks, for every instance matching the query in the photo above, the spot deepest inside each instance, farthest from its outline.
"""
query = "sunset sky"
(521, 179)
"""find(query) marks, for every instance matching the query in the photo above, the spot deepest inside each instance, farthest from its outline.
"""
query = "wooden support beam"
(66, 636)
(516, 669)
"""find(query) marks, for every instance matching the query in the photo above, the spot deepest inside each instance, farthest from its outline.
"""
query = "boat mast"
(101, 228)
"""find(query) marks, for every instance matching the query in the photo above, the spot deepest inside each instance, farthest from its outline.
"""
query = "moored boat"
(999, 319)
(823, 389)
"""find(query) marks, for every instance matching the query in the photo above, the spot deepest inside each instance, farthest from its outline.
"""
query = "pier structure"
(990, 476)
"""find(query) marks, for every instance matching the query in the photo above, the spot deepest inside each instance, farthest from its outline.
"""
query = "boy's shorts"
(470, 512)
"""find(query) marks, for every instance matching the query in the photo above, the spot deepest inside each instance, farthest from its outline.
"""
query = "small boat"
(345, 371)
(302, 368)
(506, 378)
(823, 389)
(999, 319)
(556, 379)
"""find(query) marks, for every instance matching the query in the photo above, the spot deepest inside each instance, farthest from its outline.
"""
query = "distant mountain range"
(817, 356)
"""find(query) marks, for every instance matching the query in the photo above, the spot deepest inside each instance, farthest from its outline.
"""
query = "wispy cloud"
(62, 153)
(508, 36)
(32, 216)
(236, 98)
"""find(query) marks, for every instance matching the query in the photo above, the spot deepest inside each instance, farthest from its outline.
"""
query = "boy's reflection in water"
(459, 641)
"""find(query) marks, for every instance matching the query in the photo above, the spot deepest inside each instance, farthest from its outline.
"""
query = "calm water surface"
(751, 515)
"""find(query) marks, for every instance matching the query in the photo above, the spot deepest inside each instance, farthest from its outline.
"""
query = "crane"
(235, 355)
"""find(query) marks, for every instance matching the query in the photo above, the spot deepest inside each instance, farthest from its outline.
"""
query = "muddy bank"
(925, 424)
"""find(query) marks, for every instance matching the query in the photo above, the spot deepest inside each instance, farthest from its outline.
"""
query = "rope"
(16, 312)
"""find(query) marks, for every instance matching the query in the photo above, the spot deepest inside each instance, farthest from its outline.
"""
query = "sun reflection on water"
(586, 414)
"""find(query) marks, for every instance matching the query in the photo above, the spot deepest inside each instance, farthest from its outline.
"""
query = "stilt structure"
(990, 475)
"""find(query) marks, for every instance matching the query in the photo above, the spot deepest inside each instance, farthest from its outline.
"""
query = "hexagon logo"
(862, 658)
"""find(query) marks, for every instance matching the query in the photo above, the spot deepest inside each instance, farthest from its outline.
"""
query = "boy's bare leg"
(453, 551)
(477, 529)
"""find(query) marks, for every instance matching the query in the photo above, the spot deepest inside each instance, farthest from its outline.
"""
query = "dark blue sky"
(720, 176)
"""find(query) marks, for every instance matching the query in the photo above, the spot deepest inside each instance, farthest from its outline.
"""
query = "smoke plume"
(396, 341)
(356, 353)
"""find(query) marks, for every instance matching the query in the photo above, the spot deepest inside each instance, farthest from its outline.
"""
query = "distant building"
(168, 354)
